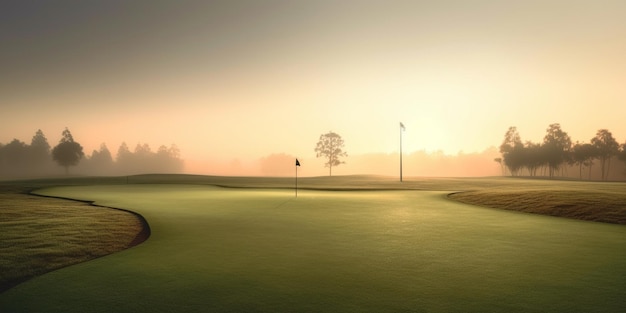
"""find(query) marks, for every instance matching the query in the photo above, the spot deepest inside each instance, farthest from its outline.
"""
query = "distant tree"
(14, 158)
(499, 161)
(168, 159)
(101, 160)
(68, 152)
(330, 146)
(622, 153)
(583, 155)
(144, 160)
(557, 144)
(2, 161)
(39, 149)
(176, 163)
(123, 155)
(512, 150)
(163, 151)
(143, 151)
(174, 151)
(534, 157)
(606, 147)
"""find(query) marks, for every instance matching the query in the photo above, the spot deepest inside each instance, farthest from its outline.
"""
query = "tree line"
(19, 159)
(557, 153)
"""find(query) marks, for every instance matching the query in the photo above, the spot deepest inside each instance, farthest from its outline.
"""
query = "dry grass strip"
(607, 207)
(40, 234)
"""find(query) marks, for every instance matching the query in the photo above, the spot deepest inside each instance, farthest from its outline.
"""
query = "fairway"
(218, 249)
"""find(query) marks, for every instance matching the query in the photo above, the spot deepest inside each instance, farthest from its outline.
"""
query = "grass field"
(371, 247)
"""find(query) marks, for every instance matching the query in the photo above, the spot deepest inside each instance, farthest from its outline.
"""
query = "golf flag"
(402, 126)
(297, 164)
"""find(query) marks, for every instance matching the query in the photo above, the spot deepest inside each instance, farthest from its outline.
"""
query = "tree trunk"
(580, 170)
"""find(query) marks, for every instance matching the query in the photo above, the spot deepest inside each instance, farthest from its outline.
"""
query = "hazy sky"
(245, 79)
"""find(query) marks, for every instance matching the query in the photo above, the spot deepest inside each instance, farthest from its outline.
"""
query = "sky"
(236, 81)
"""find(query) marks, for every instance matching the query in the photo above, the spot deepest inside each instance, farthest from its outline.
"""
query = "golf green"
(261, 250)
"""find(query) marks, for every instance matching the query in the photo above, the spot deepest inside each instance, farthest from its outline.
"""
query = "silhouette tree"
(330, 146)
(168, 159)
(68, 152)
(174, 152)
(511, 150)
(14, 158)
(123, 158)
(583, 155)
(39, 150)
(606, 147)
(557, 144)
(622, 153)
(101, 160)
(144, 160)
(143, 151)
(534, 157)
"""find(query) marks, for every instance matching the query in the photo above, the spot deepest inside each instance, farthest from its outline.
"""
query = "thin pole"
(400, 152)
(296, 181)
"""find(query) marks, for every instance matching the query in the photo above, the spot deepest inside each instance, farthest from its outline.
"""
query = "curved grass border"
(44, 256)
(143, 234)
(595, 206)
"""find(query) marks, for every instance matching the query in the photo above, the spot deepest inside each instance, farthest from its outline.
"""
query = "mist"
(19, 159)
(419, 163)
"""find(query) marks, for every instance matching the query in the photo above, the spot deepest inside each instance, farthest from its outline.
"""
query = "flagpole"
(297, 164)
(296, 180)
(401, 130)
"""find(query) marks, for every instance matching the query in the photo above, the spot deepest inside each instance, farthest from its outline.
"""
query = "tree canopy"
(606, 147)
(68, 152)
(557, 150)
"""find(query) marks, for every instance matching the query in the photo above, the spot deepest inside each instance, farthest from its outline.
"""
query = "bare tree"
(330, 146)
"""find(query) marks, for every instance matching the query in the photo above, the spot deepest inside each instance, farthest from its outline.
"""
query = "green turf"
(249, 250)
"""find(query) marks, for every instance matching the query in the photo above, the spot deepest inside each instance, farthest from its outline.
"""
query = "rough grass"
(38, 235)
(599, 203)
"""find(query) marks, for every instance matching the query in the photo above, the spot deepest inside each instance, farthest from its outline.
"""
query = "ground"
(377, 245)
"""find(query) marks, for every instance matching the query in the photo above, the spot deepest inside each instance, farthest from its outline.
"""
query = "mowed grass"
(249, 250)
(38, 235)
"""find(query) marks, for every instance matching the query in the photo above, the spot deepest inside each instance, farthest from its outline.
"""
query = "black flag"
(297, 162)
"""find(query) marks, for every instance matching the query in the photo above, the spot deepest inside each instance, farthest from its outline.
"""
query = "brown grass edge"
(141, 237)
